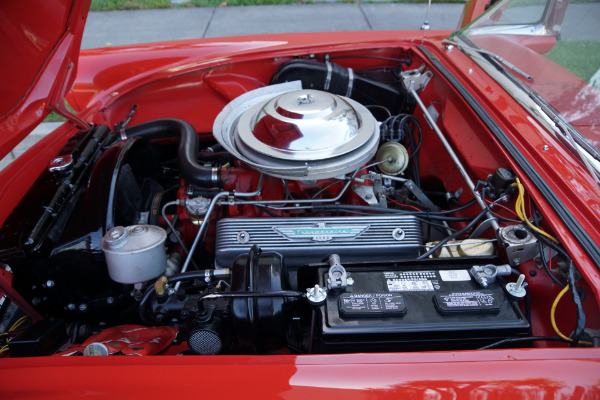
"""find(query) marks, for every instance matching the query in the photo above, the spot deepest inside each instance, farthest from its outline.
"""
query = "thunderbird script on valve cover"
(257, 205)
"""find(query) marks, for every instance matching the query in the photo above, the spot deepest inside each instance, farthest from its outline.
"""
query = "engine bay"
(341, 206)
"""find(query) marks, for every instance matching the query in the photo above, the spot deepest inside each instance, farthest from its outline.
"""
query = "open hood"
(40, 43)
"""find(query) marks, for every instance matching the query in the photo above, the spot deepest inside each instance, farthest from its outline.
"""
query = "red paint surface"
(38, 50)
(28, 38)
(499, 374)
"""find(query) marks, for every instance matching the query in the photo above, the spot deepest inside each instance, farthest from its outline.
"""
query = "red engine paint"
(129, 340)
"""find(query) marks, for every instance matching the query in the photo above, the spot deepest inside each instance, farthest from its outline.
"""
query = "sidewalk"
(113, 28)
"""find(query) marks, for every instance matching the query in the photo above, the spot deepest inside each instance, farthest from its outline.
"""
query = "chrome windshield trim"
(520, 29)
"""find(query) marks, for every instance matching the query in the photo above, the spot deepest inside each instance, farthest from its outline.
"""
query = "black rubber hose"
(186, 152)
(522, 339)
(545, 263)
(419, 214)
(580, 324)
(221, 155)
(453, 236)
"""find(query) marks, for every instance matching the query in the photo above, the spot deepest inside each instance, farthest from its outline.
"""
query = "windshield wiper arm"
(588, 154)
(496, 57)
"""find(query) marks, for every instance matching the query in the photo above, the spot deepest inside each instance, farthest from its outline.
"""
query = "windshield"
(557, 44)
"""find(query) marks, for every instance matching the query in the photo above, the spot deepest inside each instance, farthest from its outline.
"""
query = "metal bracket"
(372, 195)
(367, 193)
(519, 242)
(422, 197)
(416, 79)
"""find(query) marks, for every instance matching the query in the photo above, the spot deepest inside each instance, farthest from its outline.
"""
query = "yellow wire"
(18, 323)
(520, 209)
(14, 326)
(553, 319)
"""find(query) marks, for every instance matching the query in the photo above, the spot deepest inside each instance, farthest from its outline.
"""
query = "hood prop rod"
(418, 81)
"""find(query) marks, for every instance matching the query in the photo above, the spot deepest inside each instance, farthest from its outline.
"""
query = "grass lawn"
(581, 57)
(54, 117)
(109, 5)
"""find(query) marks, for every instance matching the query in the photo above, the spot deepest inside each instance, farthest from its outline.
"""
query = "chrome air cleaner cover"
(298, 134)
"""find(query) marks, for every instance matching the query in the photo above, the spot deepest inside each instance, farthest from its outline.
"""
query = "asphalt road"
(129, 27)
(142, 26)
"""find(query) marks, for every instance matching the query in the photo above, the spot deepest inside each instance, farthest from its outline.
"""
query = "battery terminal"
(486, 275)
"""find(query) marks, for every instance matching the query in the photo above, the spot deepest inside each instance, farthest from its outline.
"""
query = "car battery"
(416, 305)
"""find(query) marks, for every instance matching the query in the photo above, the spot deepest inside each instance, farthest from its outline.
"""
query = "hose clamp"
(328, 78)
(214, 177)
(350, 82)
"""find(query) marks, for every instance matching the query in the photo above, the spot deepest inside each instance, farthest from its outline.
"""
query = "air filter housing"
(299, 134)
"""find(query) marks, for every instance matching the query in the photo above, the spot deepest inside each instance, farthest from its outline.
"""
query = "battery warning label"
(397, 285)
(470, 302)
(412, 281)
(371, 305)
(455, 275)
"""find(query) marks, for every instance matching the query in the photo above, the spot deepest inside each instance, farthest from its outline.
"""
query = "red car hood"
(40, 46)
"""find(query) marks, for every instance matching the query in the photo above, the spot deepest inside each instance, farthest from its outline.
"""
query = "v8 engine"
(315, 218)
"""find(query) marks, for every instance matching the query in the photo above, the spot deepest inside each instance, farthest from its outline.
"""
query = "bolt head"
(398, 234)
(137, 229)
(61, 163)
(516, 290)
(316, 295)
(116, 237)
(243, 237)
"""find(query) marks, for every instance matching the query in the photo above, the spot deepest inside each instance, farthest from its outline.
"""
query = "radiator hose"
(186, 152)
